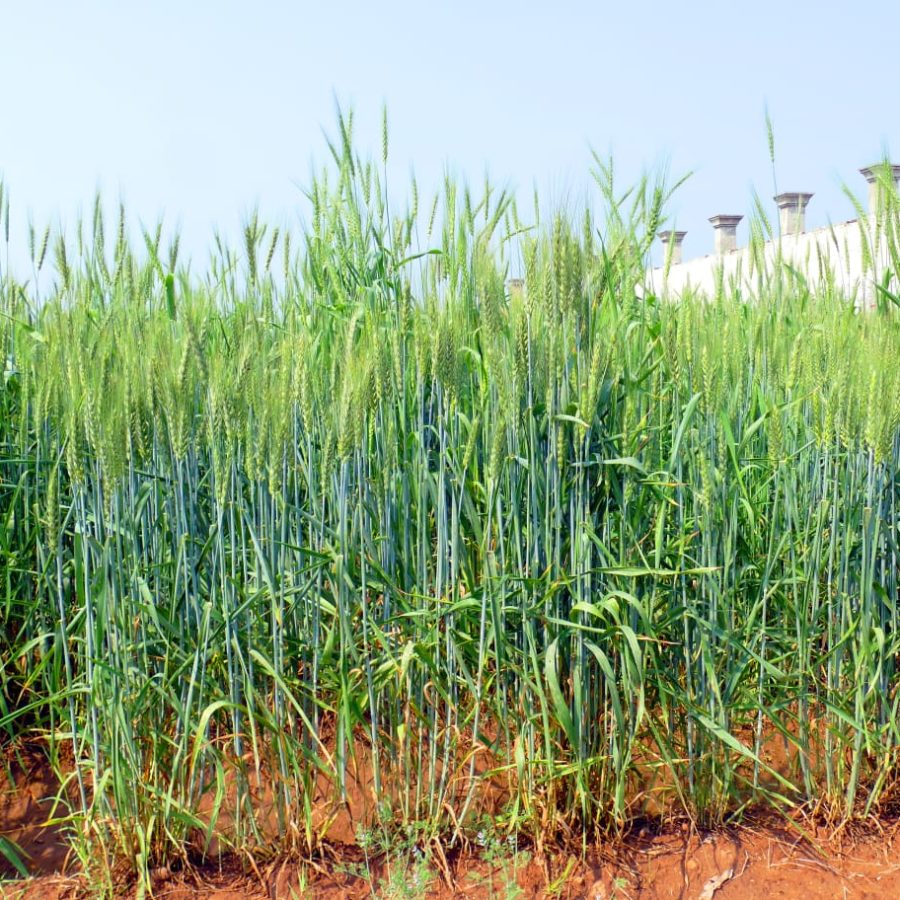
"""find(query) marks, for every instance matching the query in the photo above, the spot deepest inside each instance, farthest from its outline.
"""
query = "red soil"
(764, 860)
(768, 858)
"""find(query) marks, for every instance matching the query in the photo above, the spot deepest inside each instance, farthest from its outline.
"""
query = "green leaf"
(13, 854)
(563, 715)
(170, 295)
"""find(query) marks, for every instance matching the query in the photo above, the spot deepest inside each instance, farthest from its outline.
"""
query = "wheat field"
(345, 501)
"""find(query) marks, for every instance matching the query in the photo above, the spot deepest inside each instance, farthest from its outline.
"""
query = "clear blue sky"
(204, 109)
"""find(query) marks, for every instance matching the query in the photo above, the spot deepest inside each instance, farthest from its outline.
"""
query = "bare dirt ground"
(763, 858)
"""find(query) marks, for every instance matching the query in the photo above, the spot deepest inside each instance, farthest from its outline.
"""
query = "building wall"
(834, 254)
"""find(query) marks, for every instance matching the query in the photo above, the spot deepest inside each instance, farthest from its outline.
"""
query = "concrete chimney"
(671, 241)
(879, 177)
(725, 233)
(515, 286)
(792, 212)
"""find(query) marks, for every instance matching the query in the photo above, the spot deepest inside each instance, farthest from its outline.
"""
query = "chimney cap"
(870, 173)
(670, 234)
(722, 221)
(792, 199)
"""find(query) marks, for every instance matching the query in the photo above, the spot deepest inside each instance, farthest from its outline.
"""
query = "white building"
(852, 257)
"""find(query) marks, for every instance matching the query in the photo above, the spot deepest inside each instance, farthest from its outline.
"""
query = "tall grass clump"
(346, 523)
